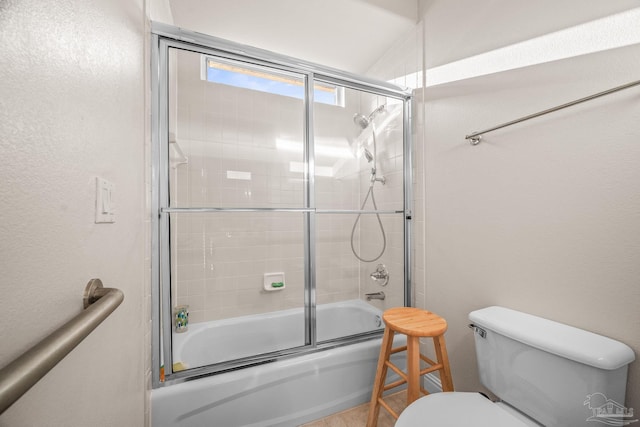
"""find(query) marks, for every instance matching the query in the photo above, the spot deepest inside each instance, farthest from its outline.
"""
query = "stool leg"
(413, 369)
(381, 376)
(443, 358)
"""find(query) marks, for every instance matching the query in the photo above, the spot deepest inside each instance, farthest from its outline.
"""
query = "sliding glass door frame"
(165, 37)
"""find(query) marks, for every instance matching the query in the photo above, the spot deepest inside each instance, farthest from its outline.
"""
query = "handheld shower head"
(368, 155)
(363, 122)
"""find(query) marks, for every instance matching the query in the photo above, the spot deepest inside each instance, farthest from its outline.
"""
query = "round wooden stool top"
(414, 322)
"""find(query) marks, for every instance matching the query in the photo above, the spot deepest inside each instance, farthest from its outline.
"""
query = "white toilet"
(545, 373)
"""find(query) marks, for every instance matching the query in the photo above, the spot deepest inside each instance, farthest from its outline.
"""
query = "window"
(258, 78)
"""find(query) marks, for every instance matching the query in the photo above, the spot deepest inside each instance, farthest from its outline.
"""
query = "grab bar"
(476, 137)
(25, 371)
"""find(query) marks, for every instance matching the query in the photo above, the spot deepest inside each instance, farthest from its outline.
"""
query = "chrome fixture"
(477, 329)
(381, 273)
(375, 295)
(476, 137)
(368, 155)
(364, 122)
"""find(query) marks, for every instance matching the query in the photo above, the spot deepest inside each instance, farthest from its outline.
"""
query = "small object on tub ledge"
(181, 318)
(274, 281)
(177, 367)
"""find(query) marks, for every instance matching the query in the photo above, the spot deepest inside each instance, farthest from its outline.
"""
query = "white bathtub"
(283, 393)
(263, 333)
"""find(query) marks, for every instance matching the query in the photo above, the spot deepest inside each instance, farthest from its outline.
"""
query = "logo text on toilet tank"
(608, 411)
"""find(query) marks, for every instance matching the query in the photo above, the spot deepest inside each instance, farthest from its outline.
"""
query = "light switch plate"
(104, 201)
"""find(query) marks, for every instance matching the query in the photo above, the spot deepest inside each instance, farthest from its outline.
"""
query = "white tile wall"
(219, 258)
(403, 65)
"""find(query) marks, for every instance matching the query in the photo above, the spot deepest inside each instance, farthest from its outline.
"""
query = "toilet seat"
(457, 409)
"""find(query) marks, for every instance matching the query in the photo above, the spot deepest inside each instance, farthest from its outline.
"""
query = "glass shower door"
(236, 209)
(359, 192)
(282, 221)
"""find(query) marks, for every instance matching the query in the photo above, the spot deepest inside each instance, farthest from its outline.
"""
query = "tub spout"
(375, 295)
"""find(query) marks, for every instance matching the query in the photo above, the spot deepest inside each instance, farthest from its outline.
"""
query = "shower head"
(364, 121)
(358, 144)
(361, 120)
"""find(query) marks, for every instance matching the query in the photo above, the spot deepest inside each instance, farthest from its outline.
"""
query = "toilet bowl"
(461, 409)
(543, 372)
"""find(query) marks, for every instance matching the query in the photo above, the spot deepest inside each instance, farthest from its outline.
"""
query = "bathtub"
(264, 333)
(284, 393)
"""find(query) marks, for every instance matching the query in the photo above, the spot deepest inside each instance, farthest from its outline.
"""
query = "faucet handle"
(381, 273)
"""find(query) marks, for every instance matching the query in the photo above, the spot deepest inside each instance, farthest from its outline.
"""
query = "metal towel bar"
(21, 374)
(476, 137)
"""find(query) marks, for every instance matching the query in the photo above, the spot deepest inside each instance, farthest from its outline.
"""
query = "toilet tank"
(556, 374)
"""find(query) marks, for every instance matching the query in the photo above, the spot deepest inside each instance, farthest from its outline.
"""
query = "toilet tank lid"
(556, 338)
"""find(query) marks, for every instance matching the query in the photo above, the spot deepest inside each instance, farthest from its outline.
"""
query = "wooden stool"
(415, 324)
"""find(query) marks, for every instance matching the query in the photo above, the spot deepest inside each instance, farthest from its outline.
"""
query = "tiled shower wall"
(403, 65)
(242, 148)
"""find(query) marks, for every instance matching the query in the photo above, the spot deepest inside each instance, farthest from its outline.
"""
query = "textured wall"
(71, 109)
(540, 217)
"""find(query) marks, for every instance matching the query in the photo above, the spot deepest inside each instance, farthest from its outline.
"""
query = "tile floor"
(357, 417)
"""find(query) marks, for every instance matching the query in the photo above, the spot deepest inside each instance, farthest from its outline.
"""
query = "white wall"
(71, 109)
(310, 30)
(540, 217)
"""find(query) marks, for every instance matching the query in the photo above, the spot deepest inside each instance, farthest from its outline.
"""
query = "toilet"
(544, 373)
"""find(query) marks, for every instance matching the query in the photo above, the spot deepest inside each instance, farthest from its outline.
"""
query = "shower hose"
(355, 224)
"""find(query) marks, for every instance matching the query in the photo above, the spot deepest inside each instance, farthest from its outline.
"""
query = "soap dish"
(274, 281)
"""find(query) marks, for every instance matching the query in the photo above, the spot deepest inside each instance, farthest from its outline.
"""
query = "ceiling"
(346, 34)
